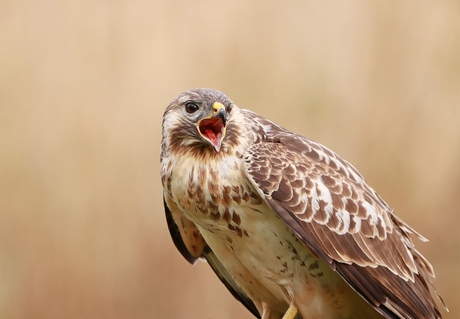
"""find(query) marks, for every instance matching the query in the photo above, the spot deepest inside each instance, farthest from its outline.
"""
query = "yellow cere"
(217, 106)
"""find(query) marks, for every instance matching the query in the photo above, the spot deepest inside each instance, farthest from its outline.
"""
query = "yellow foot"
(291, 312)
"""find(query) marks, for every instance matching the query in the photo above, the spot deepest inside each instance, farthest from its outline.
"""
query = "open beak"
(212, 128)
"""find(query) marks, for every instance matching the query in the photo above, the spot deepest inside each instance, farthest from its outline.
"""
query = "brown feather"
(378, 260)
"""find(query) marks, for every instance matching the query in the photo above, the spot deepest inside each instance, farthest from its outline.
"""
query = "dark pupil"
(191, 107)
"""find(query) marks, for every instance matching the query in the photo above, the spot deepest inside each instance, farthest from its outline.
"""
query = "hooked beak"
(212, 128)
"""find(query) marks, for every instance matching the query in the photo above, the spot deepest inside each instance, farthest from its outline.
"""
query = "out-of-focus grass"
(82, 89)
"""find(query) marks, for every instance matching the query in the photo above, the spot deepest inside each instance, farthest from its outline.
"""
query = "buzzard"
(291, 228)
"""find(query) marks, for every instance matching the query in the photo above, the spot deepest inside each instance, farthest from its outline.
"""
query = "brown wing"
(326, 202)
(188, 240)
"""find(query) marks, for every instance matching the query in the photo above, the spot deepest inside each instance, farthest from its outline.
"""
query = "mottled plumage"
(282, 220)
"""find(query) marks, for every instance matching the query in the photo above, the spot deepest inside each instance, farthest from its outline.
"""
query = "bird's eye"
(191, 107)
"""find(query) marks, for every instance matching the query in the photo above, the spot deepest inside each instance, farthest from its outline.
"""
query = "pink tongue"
(212, 137)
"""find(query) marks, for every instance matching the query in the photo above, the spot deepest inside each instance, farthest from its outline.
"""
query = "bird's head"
(197, 118)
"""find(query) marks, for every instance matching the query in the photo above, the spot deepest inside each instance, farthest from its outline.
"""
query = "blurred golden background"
(83, 86)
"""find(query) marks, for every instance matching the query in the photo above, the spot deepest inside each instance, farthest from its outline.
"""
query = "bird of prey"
(291, 228)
